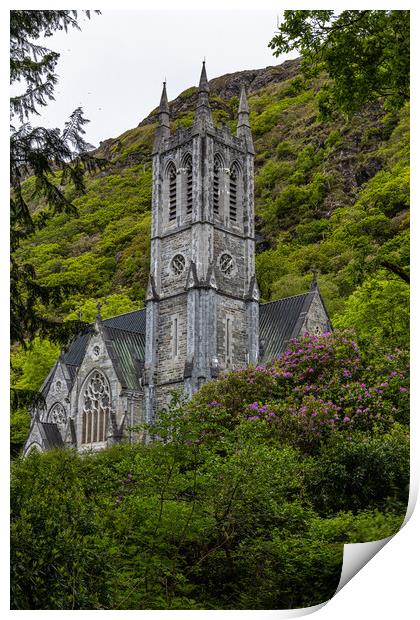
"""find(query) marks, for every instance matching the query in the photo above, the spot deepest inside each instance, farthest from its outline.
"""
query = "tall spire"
(243, 129)
(204, 83)
(163, 131)
(164, 105)
(203, 111)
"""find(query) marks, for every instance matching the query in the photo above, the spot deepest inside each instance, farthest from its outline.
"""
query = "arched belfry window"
(171, 177)
(188, 184)
(217, 181)
(96, 408)
(233, 192)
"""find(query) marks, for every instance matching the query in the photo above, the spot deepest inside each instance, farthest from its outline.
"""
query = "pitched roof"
(280, 321)
(126, 349)
(134, 321)
(51, 435)
(125, 336)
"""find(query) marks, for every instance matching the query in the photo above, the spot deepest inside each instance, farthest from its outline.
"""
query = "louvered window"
(233, 194)
(216, 186)
(189, 186)
(172, 193)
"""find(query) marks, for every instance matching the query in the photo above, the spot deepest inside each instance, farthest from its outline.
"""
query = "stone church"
(202, 314)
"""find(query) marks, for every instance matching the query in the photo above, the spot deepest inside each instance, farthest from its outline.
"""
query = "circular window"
(226, 264)
(178, 264)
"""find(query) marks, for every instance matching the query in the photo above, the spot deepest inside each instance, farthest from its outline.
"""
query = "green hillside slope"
(330, 196)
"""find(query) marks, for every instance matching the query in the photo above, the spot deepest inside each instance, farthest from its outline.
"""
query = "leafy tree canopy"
(365, 53)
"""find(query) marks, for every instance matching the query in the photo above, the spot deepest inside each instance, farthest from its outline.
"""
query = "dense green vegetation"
(244, 503)
(246, 500)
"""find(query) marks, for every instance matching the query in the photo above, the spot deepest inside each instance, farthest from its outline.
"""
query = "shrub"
(360, 471)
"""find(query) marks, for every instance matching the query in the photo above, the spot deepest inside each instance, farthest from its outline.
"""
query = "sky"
(114, 67)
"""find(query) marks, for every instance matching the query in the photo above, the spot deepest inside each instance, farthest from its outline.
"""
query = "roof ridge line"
(274, 301)
(122, 314)
(129, 331)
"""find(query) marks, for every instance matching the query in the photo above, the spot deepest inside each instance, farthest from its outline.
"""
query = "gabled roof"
(280, 321)
(126, 335)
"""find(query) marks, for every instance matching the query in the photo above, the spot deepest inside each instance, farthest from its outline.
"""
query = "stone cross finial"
(98, 311)
(314, 282)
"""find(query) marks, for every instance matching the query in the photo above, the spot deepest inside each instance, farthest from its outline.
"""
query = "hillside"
(330, 195)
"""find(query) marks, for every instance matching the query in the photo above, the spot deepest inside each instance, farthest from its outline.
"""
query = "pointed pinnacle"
(204, 84)
(243, 101)
(164, 106)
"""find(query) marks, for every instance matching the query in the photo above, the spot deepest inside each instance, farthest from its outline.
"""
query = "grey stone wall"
(232, 349)
(235, 283)
(58, 394)
(316, 321)
(164, 394)
(171, 356)
(180, 243)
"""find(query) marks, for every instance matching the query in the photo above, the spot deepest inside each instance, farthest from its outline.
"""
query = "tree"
(365, 53)
(379, 311)
(55, 158)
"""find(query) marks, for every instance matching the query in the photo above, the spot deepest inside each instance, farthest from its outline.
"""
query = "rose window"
(96, 408)
(178, 264)
(226, 264)
(57, 415)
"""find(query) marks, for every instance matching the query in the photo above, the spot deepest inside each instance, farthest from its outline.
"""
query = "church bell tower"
(202, 299)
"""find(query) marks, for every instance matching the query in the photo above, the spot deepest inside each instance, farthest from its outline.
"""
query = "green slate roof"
(126, 349)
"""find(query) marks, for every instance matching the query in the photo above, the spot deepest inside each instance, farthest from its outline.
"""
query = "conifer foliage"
(56, 158)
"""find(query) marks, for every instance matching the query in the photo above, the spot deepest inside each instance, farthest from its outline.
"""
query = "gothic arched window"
(57, 414)
(96, 408)
(233, 193)
(188, 184)
(171, 176)
(217, 178)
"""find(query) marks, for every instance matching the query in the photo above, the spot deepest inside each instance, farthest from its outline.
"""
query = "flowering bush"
(318, 386)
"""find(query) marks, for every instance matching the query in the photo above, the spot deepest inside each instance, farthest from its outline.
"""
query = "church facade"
(202, 315)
